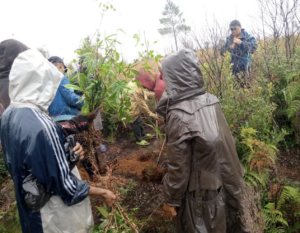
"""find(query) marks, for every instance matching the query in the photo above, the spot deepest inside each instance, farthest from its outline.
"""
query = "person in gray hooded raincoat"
(204, 183)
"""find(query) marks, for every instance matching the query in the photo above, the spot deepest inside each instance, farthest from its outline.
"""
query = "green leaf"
(119, 220)
(103, 212)
(122, 30)
(104, 223)
(136, 36)
(117, 56)
(73, 87)
(110, 36)
(136, 72)
(85, 110)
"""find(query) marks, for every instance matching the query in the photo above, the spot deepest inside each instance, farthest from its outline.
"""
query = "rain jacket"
(241, 55)
(65, 103)
(33, 144)
(9, 50)
(205, 178)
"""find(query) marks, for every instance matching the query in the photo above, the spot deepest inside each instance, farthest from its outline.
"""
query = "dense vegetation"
(264, 119)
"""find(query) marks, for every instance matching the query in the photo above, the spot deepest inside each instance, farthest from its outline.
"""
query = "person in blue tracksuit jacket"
(241, 45)
(34, 144)
(66, 103)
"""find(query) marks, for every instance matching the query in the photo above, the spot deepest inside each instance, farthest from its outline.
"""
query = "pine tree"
(173, 22)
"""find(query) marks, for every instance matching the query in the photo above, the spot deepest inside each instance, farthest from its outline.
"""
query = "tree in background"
(173, 22)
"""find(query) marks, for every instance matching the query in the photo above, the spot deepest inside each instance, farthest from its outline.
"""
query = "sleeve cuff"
(173, 203)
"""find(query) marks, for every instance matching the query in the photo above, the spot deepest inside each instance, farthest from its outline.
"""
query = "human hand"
(109, 198)
(237, 41)
(232, 46)
(169, 210)
(91, 116)
(79, 150)
(156, 117)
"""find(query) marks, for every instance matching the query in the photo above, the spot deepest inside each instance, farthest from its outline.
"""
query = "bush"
(3, 171)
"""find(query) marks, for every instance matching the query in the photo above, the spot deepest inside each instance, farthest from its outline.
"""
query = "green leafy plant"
(282, 213)
(3, 171)
(126, 190)
(117, 221)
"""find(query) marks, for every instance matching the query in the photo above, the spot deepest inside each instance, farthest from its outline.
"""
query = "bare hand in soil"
(91, 116)
(109, 198)
(169, 210)
(79, 150)
(157, 117)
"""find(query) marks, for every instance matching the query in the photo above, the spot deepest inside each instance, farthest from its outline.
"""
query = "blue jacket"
(65, 104)
(241, 55)
(33, 144)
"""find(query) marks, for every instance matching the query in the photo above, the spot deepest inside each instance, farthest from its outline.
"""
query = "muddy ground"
(139, 178)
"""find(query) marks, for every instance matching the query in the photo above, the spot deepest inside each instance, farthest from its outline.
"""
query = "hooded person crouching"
(204, 183)
(138, 97)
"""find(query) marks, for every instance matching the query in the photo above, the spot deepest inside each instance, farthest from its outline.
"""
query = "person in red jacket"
(160, 85)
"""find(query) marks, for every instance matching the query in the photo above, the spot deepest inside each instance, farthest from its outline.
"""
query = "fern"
(273, 219)
(292, 98)
(289, 194)
(285, 206)
(252, 178)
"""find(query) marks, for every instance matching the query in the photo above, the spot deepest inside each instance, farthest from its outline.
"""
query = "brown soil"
(141, 165)
(126, 163)
(288, 164)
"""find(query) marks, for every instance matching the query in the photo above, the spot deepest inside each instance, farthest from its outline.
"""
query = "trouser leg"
(138, 129)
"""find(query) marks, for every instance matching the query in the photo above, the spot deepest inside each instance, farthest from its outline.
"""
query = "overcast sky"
(61, 25)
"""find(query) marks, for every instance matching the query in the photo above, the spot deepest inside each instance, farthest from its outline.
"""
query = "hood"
(9, 50)
(183, 79)
(146, 79)
(33, 80)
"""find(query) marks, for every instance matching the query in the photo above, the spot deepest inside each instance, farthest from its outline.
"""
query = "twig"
(161, 151)
(152, 214)
(124, 215)
(156, 121)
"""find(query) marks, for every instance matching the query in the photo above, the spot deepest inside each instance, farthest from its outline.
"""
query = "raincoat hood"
(183, 79)
(33, 80)
(9, 50)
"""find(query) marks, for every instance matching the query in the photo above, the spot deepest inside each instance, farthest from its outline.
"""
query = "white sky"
(60, 25)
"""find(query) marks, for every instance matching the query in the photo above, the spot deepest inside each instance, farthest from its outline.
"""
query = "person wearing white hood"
(33, 145)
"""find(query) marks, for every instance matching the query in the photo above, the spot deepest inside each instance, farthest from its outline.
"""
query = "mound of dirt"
(141, 165)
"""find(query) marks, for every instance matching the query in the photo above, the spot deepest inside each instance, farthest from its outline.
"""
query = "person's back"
(24, 159)
(33, 145)
(205, 178)
(65, 104)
